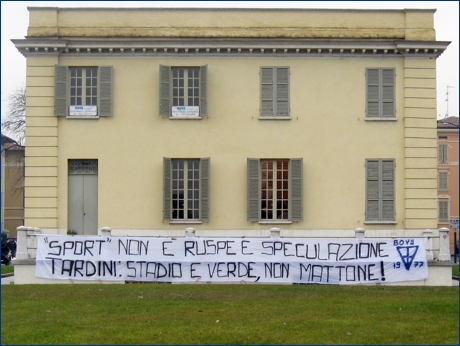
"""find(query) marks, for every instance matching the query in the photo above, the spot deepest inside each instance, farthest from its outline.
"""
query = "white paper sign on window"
(186, 111)
(83, 110)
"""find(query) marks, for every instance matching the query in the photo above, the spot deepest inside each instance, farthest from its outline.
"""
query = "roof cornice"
(232, 48)
(229, 9)
(449, 129)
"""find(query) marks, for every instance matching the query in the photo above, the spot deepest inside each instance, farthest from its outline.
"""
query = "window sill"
(274, 222)
(380, 119)
(91, 117)
(185, 118)
(274, 118)
(380, 222)
(185, 222)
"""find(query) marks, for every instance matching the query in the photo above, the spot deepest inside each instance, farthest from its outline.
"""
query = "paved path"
(6, 280)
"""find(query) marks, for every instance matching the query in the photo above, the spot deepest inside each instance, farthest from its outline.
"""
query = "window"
(183, 91)
(83, 91)
(186, 86)
(442, 180)
(83, 86)
(380, 190)
(83, 166)
(442, 153)
(274, 92)
(443, 210)
(275, 190)
(186, 189)
(380, 93)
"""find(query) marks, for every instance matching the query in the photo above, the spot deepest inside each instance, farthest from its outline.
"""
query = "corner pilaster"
(420, 143)
(41, 144)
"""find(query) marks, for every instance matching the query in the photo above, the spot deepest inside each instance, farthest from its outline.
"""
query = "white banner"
(264, 260)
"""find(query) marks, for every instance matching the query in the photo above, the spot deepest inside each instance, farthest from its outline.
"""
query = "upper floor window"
(380, 93)
(186, 189)
(186, 86)
(183, 91)
(275, 190)
(83, 86)
(380, 190)
(274, 92)
(442, 180)
(442, 158)
(443, 210)
(83, 91)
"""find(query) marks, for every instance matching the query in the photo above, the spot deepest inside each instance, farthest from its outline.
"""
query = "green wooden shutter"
(296, 189)
(253, 192)
(372, 93)
(204, 90)
(387, 191)
(105, 87)
(165, 96)
(204, 190)
(388, 93)
(372, 190)
(266, 91)
(166, 189)
(380, 93)
(443, 211)
(61, 107)
(442, 153)
(282, 92)
(380, 190)
(442, 181)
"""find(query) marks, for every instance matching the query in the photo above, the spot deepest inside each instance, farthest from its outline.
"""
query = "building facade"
(231, 121)
(12, 185)
(448, 177)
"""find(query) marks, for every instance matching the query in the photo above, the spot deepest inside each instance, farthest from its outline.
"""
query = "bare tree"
(14, 124)
(15, 119)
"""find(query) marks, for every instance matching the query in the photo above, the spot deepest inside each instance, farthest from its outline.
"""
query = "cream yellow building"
(231, 121)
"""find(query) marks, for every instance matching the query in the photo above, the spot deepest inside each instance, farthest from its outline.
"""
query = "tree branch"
(15, 119)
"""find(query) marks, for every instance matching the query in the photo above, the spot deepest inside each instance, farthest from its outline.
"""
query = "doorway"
(83, 214)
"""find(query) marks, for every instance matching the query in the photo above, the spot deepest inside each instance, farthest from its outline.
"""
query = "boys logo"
(407, 254)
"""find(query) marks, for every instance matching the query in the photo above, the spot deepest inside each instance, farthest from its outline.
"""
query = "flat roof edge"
(228, 9)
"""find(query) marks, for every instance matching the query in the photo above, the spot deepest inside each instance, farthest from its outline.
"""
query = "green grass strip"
(455, 270)
(7, 269)
(228, 314)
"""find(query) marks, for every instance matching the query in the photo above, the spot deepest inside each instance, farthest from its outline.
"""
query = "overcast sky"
(15, 20)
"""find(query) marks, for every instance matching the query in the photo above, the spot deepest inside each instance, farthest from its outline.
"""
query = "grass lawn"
(455, 270)
(7, 269)
(228, 314)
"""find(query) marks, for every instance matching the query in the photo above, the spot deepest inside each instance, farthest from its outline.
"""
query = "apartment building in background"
(448, 177)
(12, 185)
(231, 121)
